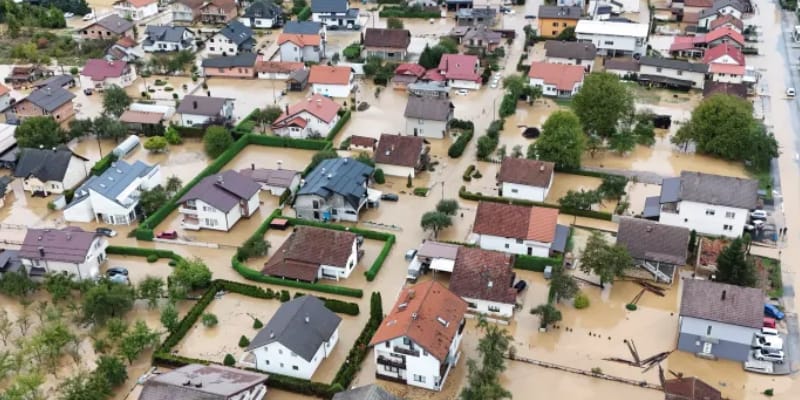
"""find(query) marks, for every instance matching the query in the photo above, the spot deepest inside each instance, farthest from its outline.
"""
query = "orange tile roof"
(563, 77)
(427, 313)
(278, 66)
(519, 222)
(324, 74)
(126, 42)
(299, 39)
(317, 105)
(4, 90)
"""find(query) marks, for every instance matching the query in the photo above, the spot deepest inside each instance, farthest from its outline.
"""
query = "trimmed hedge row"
(339, 125)
(304, 14)
(464, 194)
(366, 233)
(378, 263)
(457, 148)
(280, 141)
(103, 164)
(409, 12)
(583, 172)
(352, 364)
(142, 252)
(536, 264)
(337, 306)
(257, 276)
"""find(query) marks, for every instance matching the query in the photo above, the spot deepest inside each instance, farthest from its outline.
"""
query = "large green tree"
(105, 300)
(562, 141)
(39, 132)
(483, 376)
(216, 140)
(733, 266)
(115, 101)
(191, 274)
(152, 289)
(136, 340)
(602, 103)
(112, 369)
(109, 127)
(151, 200)
(603, 259)
(548, 314)
(435, 221)
(563, 284)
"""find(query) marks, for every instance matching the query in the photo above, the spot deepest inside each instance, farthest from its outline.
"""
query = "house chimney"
(541, 168)
(219, 179)
(280, 165)
(307, 319)
(724, 292)
(252, 166)
(49, 91)
(194, 104)
(414, 316)
(287, 109)
(41, 251)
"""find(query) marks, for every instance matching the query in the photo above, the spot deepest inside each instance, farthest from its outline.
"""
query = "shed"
(127, 146)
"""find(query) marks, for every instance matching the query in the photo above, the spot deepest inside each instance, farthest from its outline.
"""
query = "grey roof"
(302, 325)
(623, 64)
(239, 60)
(369, 392)
(113, 181)
(741, 306)
(57, 81)
(483, 34)
(300, 75)
(222, 191)
(302, 27)
(670, 63)
(572, 50)
(670, 190)
(272, 177)
(428, 86)
(237, 32)
(432, 249)
(560, 239)
(69, 244)
(478, 12)
(163, 33)
(652, 207)
(114, 23)
(428, 108)
(560, 12)
(343, 176)
(50, 98)
(263, 9)
(720, 4)
(201, 105)
(9, 261)
(44, 164)
(711, 189)
(207, 382)
(649, 240)
(327, 6)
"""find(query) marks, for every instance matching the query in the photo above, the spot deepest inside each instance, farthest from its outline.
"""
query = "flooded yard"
(138, 267)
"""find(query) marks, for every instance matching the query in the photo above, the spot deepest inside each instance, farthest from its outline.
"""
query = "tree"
(191, 274)
(604, 260)
(733, 266)
(115, 101)
(156, 144)
(169, 317)
(692, 241)
(39, 132)
(567, 35)
(562, 141)
(484, 374)
(151, 200)
(244, 341)
(174, 185)
(253, 247)
(109, 128)
(547, 313)
(80, 127)
(644, 131)
(602, 103)
(394, 23)
(152, 289)
(322, 155)
(581, 200)
(52, 338)
(622, 141)
(112, 369)
(135, 341)
(257, 324)
(435, 221)
(17, 284)
(6, 327)
(106, 300)
(409, 182)
(216, 140)
(172, 135)
(447, 206)
(25, 387)
(229, 360)
(431, 56)
(613, 186)
(379, 177)
(562, 284)
(210, 320)
(268, 115)
(85, 386)
(375, 307)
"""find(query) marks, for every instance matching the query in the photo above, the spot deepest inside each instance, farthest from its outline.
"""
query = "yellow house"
(554, 19)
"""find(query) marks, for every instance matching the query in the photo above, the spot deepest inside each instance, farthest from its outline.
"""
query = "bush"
(379, 177)
(152, 258)
(103, 164)
(769, 392)
(285, 296)
(216, 140)
(339, 125)
(457, 148)
(533, 263)
(580, 301)
(410, 12)
(173, 136)
(229, 360)
(378, 263)
(257, 324)
(210, 320)
(421, 191)
(244, 341)
(465, 194)
(631, 307)
(304, 14)
(467, 176)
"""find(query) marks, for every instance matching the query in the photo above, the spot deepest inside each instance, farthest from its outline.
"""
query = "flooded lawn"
(175, 85)
(22, 211)
(526, 116)
(562, 183)
(138, 267)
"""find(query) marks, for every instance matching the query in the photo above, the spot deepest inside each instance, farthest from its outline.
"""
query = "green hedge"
(464, 194)
(339, 125)
(102, 165)
(304, 14)
(533, 263)
(367, 234)
(410, 12)
(583, 172)
(337, 306)
(257, 276)
(351, 366)
(378, 263)
(280, 141)
(457, 148)
(142, 252)
(297, 385)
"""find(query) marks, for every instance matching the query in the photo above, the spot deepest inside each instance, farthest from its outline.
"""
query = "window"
(708, 331)
(266, 362)
(727, 227)
(609, 43)
(555, 24)
(680, 72)
(281, 365)
(390, 369)
(555, 33)
(506, 245)
(406, 341)
(658, 69)
(293, 354)
(280, 351)
(514, 190)
(730, 214)
(387, 345)
(419, 378)
(710, 212)
(294, 367)
(472, 305)
(493, 309)
(519, 241)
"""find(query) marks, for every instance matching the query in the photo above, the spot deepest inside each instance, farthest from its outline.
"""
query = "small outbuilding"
(127, 146)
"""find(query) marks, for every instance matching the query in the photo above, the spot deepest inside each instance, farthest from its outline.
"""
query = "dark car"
(88, 91)
(106, 232)
(530, 16)
(390, 197)
(167, 235)
(770, 310)
(116, 271)
(520, 286)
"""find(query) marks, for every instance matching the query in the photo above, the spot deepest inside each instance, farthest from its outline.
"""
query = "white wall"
(693, 216)
(727, 78)
(122, 81)
(525, 192)
(426, 128)
(425, 365)
(89, 269)
(459, 84)
(276, 358)
(5, 101)
(80, 212)
(396, 170)
(171, 46)
(257, 22)
(341, 271)
(193, 119)
(294, 53)
(273, 75)
(137, 13)
(210, 218)
(697, 78)
(569, 61)
(622, 44)
(219, 44)
(498, 309)
(514, 246)
(314, 124)
(76, 173)
(333, 90)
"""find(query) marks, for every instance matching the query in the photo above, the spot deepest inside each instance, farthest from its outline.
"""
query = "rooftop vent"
(402, 306)
(490, 284)
(41, 250)
(414, 316)
(442, 321)
(541, 168)
(307, 319)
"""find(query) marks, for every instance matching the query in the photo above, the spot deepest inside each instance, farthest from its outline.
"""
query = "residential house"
(277, 70)
(481, 38)
(8, 146)
(24, 75)
(47, 101)
(570, 53)
(734, 89)
(113, 196)
(418, 341)
(368, 392)
(124, 49)
(50, 170)
(231, 40)
(5, 97)
(334, 13)
(461, 71)
(525, 179)
(103, 74)
(207, 382)
(658, 248)
(262, 14)
(219, 201)
(240, 66)
(298, 80)
(9, 259)
(186, 11)
(719, 9)
(111, 26)
(428, 116)
(690, 389)
(436, 90)
(726, 21)
(482, 16)
(388, 44)
(693, 6)
(274, 181)
(310, 118)
(723, 35)
(555, 19)
(718, 320)
(70, 250)
(556, 80)
(709, 204)
(298, 337)
(304, 28)
(362, 144)
(202, 110)
(517, 229)
(336, 190)
(726, 64)
(331, 81)
(455, 5)
(136, 10)
(401, 155)
(671, 73)
(312, 253)
(160, 38)
(143, 122)
(614, 38)
(485, 279)
(218, 12)
(406, 74)
(434, 256)
(301, 48)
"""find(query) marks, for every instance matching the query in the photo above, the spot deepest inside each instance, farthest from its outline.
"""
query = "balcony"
(406, 351)
(392, 362)
(671, 208)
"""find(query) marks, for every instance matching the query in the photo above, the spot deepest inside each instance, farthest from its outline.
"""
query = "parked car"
(765, 332)
(410, 254)
(765, 355)
(769, 322)
(774, 343)
(116, 271)
(790, 92)
(758, 214)
(88, 91)
(773, 311)
(493, 85)
(462, 92)
(167, 235)
(88, 17)
(390, 197)
(520, 286)
(119, 278)
(106, 232)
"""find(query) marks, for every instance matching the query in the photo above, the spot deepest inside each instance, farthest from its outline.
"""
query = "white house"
(525, 179)
(613, 38)
(461, 71)
(136, 10)
(334, 13)
(262, 14)
(69, 250)
(295, 47)
(672, 73)
(428, 116)
(709, 204)
(101, 74)
(160, 38)
(331, 81)
(50, 171)
(202, 110)
(231, 40)
(726, 64)
(274, 181)
(311, 253)
(277, 70)
(721, 8)
(208, 382)
(313, 117)
(400, 156)
(298, 337)
(517, 229)
(113, 196)
(485, 279)
(336, 190)
(219, 201)
(558, 80)
(418, 341)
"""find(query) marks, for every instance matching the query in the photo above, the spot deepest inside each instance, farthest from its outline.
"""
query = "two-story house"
(113, 196)
(242, 66)
(219, 201)
(331, 81)
(160, 38)
(136, 10)
(671, 73)
(485, 279)
(726, 64)
(299, 336)
(709, 204)
(726, 21)
(186, 11)
(277, 70)
(312, 253)
(313, 117)
(336, 190)
(461, 71)
(481, 38)
(295, 47)
(612, 38)
(401, 156)
(262, 14)
(721, 8)
(70, 250)
(111, 27)
(525, 179)
(334, 13)
(53, 101)
(478, 16)
(554, 19)
(531, 231)
(49, 171)
(388, 44)
(202, 110)
(658, 248)
(274, 181)
(406, 74)
(570, 53)
(103, 74)
(231, 40)
(556, 80)
(207, 382)
(418, 341)
(428, 116)
(218, 11)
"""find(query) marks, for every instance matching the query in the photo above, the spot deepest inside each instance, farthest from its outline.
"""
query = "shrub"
(769, 392)
(421, 191)
(216, 140)
(304, 14)
(210, 320)
(152, 258)
(244, 341)
(467, 176)
(597, 370)
(405, 11)
(229, 360)
(631, 307)
(338, 127)
(581, 301)
(257, 276)
(285, 296)
(172, 263)
(257, 324)
(172, 135)
(378, 263)
(379, 177)
(103, 164)
(468, 130)
(534, 263)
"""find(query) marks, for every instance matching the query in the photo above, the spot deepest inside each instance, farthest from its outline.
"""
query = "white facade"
(196, 119)
(220, 45)
(187, 43)
(75, 174)
(426, 128)
(490, 308)
(290, 51)
(124, 80)
(514, 246)
(120, 210)
(262, 23)
(727, 78)
(421, 368)
(340, 19)
(706, 219)
(5, 101)
(462, 84)
(698, 79)
(570, 61)
(277, 76)
(526, 192)
(88, 269)
(341, 271)
(549, 89)
(613, 38)
(705, 22)
(339, 91)
(128, 10)
(182, 13)
(314, 127)
(396, 170)
(198, 215)
(276, 358)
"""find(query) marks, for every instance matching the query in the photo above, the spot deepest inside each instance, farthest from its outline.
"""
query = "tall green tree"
(547, 313)
(106, 300)
(604, 260)
(39, 132)
(602, 103)
(151, 200)
(447, 206)
(216, 140)
(151, 289)
(733, 266)
(563, 284)
(112, 369)
(169, 317)
(483, 376)
(435, 221)
(80, 127)
(17, 284)
(622, 141)
(174, 184)
(109, 127)
(192, 274)
(137, 340)
(115, 101)
(84, 386)
(562, 141)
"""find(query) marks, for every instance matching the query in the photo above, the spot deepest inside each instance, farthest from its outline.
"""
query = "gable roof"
(563, 77)
(302, 253)
(342, 176)
(50, 98)
(410, 69)
(726, 19)
(302, 27)
(236, 32)
(165, 33)
(100, 69)
(301, 40)
(239, 60)
(391, 38)
(711, 189)
(70, 244)
(368, 392)
(327, 6)
(741, 306)
(208, 382)
(426, 313)
(399, 150)
(201, 105)
(271, 177)
(44, 164)
(136, 3)
(428, 108)
(278, 67)
(222, 191)
(53, 81)
(263, 9)
(571, 50)
(481, 33)
(719, 5)
(141, 117)
(721, 50)
(698, 3)
(724, 31)
(301, 325)
(317, 105)
(324, 74)
(113, 180)
(113, 23)
(622, 64)
(483, 275)
(519, 222)
(560, 12)
(669, 63)
(225, 5)
(526, 172)
(433, 249)
(690, 389)
(363, 141)
(652, 241)
(460, 67)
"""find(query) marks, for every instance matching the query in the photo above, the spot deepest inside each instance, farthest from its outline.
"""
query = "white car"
(68, 15)
(771, 343)
(462, 92)
(764, 355)
(767, 332)
(758, 214)
(493, 85)
(88, 17)
(790, 92)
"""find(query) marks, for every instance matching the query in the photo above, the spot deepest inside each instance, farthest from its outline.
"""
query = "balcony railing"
(392, 363)
(406, 351)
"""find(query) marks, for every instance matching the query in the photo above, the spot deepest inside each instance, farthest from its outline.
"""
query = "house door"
(416, 133)
(707, 348)
(316, 214)
(530, 251)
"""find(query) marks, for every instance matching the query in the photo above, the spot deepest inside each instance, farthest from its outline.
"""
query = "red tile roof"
(563, 77)
(698, 3)
(363, 141)
(428, 314)
(399, 150)
(99, 69)
(723, 20)
(387, 38)
(724, 31)
(483, 275)
(690, 389)
(526, 172)
(324, 74)
(141, 117)
(317, 105)
(721, 50)
(410, 69)
(126, 42)
(518, 222)
(298, 39)
(686, 42)
(433, 75)
(301, 255)
(460, 66)
(718, 68)
(277, 67)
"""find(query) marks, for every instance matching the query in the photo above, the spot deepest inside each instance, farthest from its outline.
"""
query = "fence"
(599, 375)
